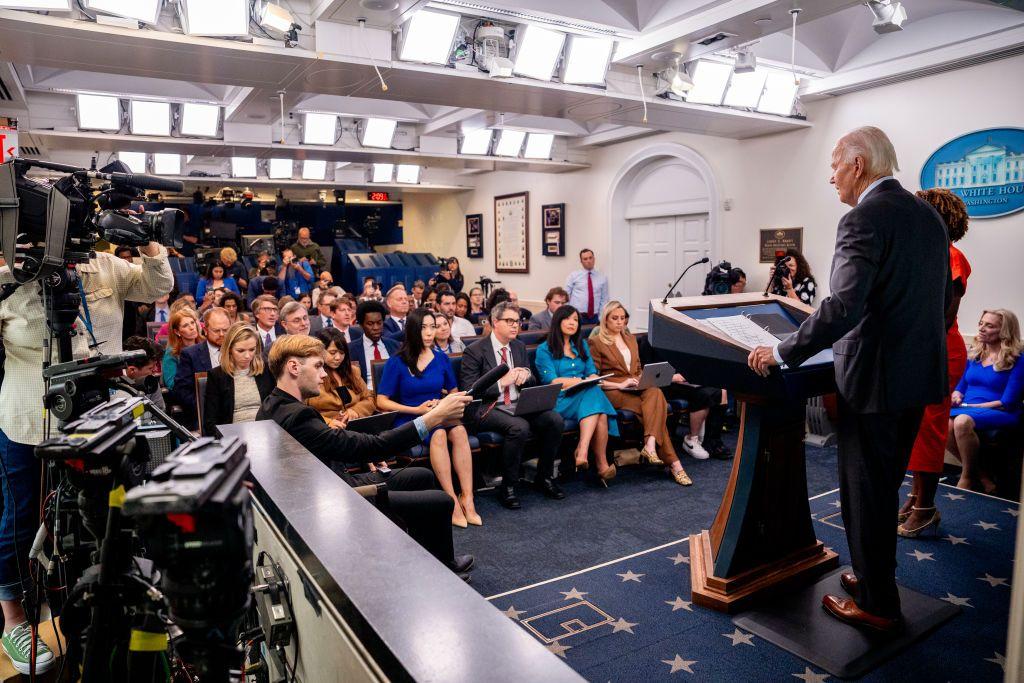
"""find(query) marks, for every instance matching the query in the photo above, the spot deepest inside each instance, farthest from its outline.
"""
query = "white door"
(660, 248)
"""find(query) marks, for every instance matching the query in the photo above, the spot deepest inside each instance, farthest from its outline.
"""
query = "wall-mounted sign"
(776, 241)
(985, 168)
(8, 143)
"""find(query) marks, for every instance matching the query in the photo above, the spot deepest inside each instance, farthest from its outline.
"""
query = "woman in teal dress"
(563, 359)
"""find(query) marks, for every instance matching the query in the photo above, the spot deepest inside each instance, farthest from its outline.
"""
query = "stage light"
(201, 120)
(377, 132)
(889, 15)
(150, 118)
(37, 5)
(746, 61)
(779, 94)
(745, 89)
(537, 51)
(223, 18)
(709, 82)
(428, 37)
(167, 164)
(273, 17)
(314, 169)
(382, 173)
(146, 11)
(319, 129)
(243, 167)
(538, 145)
(136, 161)
(407, 173)
(586, 60)
(98, 112)
(509, 143)
(278, 169)
(476, 141)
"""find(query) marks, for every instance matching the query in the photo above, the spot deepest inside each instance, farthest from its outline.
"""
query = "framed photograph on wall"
(553, 229)
(475, 235)
(512, 233)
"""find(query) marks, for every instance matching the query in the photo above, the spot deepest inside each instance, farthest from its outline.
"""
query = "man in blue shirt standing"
(588, 289)
(296, 275)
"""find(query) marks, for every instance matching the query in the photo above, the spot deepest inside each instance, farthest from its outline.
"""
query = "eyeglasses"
(510, 321)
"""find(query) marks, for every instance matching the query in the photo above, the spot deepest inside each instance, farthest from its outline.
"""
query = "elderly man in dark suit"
(885, 323)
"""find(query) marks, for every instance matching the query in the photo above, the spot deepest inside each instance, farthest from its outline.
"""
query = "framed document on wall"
(553, 229)
(475, 235)
(512, 233)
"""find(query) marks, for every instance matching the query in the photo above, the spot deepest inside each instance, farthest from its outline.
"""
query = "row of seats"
(391, 269)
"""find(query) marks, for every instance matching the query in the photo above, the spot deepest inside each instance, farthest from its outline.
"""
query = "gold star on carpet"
(630, 576)
(959, 602)
(679, 603)
(680, 559)
(573, 594)
(811, 677)
(921, 556)
(558, 649)
(738, 636)
(623, 625)
(956, 540)
(987, 526)
(679, 664)
(992, 581)
(998, 659)
(513, 613)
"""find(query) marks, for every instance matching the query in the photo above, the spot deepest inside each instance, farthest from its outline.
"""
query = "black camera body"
(718, 280)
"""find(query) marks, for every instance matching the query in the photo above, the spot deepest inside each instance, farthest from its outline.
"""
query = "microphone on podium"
(695, 263)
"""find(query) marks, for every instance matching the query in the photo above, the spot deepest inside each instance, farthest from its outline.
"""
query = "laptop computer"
(537, 399)
(374, 424)
(655, 375)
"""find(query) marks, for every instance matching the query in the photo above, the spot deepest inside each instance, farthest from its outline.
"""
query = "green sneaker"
(17, 643)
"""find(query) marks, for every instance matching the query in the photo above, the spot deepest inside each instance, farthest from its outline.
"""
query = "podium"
(762, 538)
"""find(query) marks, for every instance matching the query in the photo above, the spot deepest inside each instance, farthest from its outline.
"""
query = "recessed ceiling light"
(136, 161)
(379, 5)
(378, 132)
(98, 112)
(537, 51)
(476, 141)
(319, 129)
(167, 164)
(150, 118)
(509, 143)
(428, 36)
(279, 169)
(763, 21)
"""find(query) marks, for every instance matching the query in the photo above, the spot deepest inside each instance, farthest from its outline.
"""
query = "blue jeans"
(19, 481)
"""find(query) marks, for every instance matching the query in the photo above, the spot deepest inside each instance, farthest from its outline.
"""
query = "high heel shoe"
(650, 458)
(902, 516)
(607, 475)
(680, 476)
(471, 518)
(933, 522)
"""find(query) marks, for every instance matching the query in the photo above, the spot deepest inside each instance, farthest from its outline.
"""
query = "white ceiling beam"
(613, 135)
(450, 119)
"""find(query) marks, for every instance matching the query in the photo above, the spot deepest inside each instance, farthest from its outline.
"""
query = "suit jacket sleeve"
(218, 406)
(473, 369)
(854, 266)
(337, 444)
(184, 384)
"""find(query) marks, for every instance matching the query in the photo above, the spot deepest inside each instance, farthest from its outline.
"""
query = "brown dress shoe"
(845, 609)
(849, 582)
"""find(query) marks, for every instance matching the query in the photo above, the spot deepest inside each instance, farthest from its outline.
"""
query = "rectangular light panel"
(243, 167)
(509, 143)
(279, 169)
(146, 11)
(277, 18)
(98, 112)
(319, 129)
(382, 173)
(378, 132)
(586, 60)
(745, 89)
(709, 82)
(136, 161)
(40, 5)
(314, 169)
(779, 94)
(476, 141)
(150, 118)
(408, 173)
(167, 164)
(428, 37)
(537, 51)
(200, 120)
(538, 145)
(219, 18)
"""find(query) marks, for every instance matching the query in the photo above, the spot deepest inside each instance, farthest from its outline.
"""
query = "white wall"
(772, 181)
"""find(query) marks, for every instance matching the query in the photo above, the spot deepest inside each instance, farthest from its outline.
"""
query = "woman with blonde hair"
(615, 351)
(232, 267)
(989, 394)
(183, 330)
(236, 388)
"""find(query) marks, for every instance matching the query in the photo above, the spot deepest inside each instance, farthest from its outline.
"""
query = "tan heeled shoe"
(680, 477)
(650, 458)
(607, 475)
(471, 517)
(902, 516)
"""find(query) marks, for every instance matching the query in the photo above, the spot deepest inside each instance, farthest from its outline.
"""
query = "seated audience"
(554, 299)
(215, 279)
(233, 267)
(306, 248)
(429, 299)
(232, 304)
(323, 283)
(344, 395)
(989, 393)
(373, 345)
(462, 306)
(413, 382)
(371, 290)
(263, 262)
(236, 388)
(322, 318)
(343, 315)
(615, 351)
(443, 339)
(524, 313)
(295, 276)
(418, 287)
(460, 327)
(564, 359)
(397, 302)
(450, 275)
(798, 283)
(307, 302)
(295, 318)
(137, 372)
(737, 281)
(198, 358)
(264, 309)
(183, 301)
(184, 331)
(545, 427)
(298, 366)
(476, 305)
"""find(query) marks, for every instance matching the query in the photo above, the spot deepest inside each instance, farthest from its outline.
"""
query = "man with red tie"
(372, 345)
(588, 289)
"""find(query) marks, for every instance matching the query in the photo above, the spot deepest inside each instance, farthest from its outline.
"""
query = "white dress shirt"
(156, 314)
(399, 321)
(214, 355)
(326, 321)
(462, 328)
(263, 336)
(368, 355)
(513, 390)
(576, 285)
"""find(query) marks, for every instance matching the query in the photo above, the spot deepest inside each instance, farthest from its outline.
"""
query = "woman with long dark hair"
(451, 274)
(798, 283)
(343, 394)
(564, 359)
(413, 382)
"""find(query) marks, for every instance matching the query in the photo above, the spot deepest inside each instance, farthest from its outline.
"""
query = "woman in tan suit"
(343, 395)
(615, 351)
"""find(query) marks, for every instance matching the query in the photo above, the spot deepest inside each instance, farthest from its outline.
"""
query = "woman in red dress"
(919, 512)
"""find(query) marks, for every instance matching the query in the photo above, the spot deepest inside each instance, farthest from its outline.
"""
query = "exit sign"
(378, 196)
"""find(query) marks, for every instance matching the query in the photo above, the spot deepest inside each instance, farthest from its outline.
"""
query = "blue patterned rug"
(631, 619)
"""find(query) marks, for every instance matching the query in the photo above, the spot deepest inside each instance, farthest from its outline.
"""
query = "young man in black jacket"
(297, 364)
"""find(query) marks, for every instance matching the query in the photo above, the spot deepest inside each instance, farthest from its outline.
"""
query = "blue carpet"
(631, 619)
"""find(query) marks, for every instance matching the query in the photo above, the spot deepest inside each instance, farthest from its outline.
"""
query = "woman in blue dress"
(989, 394)
(564, 359)
(413, 382)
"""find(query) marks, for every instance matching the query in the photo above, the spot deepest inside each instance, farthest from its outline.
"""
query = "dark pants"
(425, 511)
(546, 429)
(874, 449)
(19, 480)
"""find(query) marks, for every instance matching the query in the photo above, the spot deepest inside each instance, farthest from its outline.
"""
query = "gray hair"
(290, 308)
(500, 308)
(873, 146)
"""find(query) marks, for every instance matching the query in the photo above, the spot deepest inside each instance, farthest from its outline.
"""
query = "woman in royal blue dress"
(564, 359)
(989, 394)
(413, 382)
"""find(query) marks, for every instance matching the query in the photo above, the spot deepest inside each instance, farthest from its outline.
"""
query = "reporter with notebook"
(502, 347)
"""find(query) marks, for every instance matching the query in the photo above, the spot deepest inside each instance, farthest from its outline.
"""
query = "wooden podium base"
(737, 593)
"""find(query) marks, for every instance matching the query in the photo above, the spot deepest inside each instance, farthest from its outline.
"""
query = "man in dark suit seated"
(397, 302)
(373, 345)
(323, 309)
(501, 346)
(297, 363)
(885, 321)
(197, 358)
(295, 318)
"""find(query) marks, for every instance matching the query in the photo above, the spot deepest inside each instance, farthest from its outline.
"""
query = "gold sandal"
(650, 458)
(681, 477)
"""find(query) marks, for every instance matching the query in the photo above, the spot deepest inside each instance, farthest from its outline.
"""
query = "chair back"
(152, 329)
(200, 380)
(377, 368)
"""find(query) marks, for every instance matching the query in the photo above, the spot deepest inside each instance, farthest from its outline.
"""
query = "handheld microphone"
(695, 263)
(489, 378)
